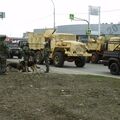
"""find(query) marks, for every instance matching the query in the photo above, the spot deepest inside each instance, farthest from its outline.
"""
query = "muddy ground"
(58, 97)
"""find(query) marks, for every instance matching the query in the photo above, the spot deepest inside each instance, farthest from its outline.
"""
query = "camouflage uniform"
(26, 56)
(3, 54)
(46, 54)
(33, 56)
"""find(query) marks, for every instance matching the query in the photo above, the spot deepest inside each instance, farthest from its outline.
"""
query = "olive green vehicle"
(64, 47)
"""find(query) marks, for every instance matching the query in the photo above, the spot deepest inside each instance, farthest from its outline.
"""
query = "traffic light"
(71, 16)
(2, 14)
(88, 32)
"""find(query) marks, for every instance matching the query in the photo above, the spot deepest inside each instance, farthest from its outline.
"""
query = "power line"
(113, 10)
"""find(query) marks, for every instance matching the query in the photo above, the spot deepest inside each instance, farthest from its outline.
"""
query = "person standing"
(3, 54)
(47, 53)
(26, 56)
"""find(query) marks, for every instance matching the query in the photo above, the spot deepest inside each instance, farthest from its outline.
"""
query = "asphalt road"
(91, 69)
(88, 69)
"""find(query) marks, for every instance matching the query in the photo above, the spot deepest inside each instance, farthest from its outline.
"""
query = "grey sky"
(25, 15)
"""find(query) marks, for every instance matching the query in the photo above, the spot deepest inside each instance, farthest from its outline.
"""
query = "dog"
(15, 65)
(20, 66)
(30, 64)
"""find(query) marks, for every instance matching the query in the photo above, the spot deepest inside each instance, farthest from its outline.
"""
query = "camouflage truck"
(96, 47)
(64, 47)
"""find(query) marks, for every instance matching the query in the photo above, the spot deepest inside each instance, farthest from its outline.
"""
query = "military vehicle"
(14, 50)
(96, 47)
(111, 56)
(64, 47)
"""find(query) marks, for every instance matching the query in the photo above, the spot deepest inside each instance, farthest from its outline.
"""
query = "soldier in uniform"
(47, 53)
(3, 54)
(26, 56)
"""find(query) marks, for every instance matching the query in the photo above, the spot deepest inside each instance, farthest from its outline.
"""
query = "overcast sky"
(25, 15)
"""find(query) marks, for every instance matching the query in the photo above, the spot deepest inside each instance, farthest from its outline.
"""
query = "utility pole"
(53, 14)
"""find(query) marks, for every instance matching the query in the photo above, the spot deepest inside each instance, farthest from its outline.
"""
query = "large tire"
(94, 58)
(58, 59)
(80, 62)
(114, 69)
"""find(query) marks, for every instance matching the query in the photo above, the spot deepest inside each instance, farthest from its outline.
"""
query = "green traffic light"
(71, 16)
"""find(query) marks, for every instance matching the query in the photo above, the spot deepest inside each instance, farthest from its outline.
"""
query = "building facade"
(80, 29)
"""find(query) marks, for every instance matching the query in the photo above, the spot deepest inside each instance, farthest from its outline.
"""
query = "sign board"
(71, 16)
(93, 10)
(2, 14)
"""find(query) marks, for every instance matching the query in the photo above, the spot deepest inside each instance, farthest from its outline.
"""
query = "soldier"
(26, 56)
(47, 53)
(32, 56)
(3, 54)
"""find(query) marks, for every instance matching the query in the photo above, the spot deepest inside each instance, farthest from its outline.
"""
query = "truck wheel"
(94, 58)
(114, 69)
(58, 59)
(80, 62)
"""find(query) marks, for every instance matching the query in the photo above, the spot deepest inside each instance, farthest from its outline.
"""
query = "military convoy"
(64, 47)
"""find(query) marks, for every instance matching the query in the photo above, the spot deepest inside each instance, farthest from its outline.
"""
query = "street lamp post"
(53, 14)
